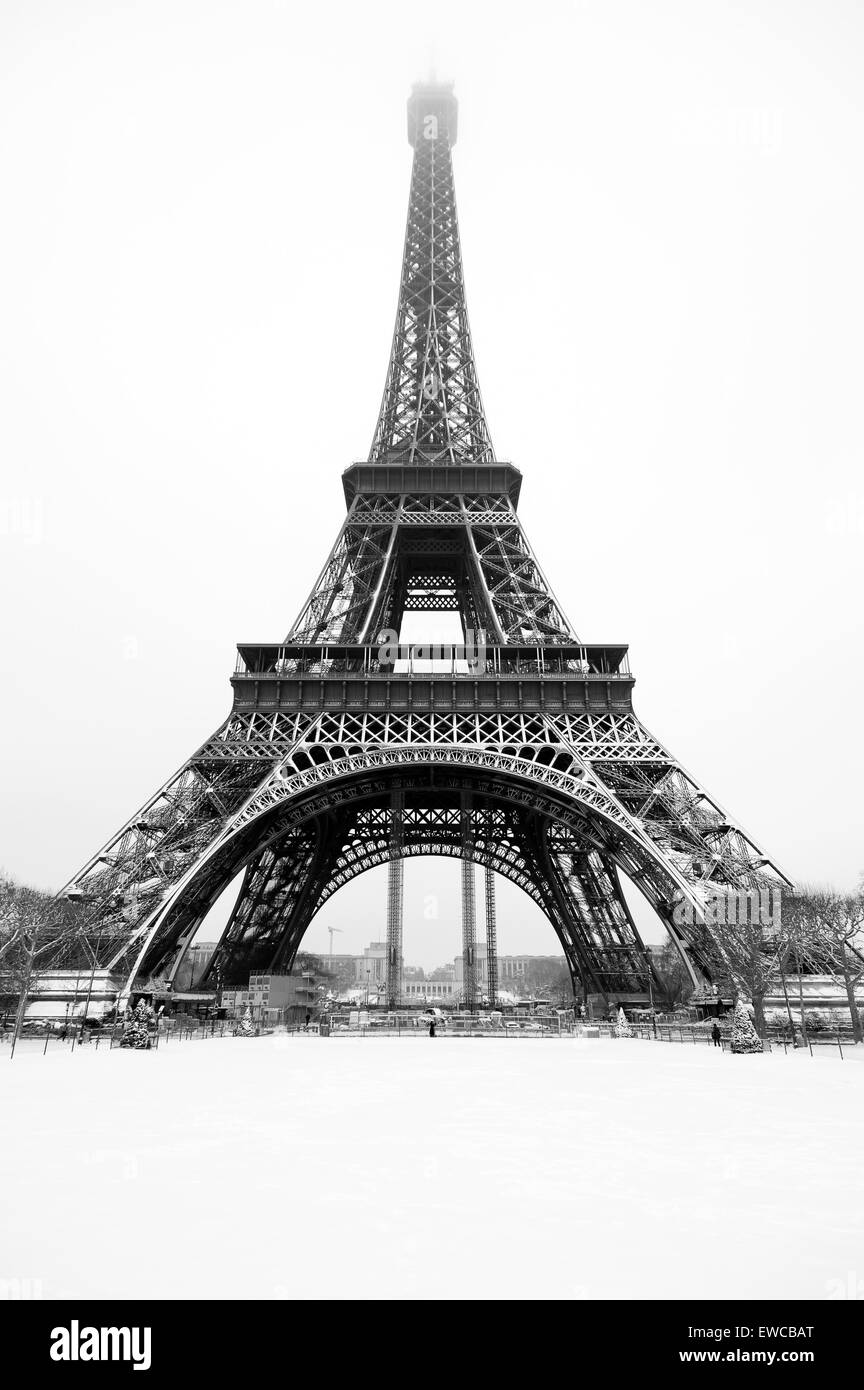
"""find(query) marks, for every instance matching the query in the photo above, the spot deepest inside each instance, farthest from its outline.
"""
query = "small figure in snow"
(715, 1034)
(432, 1029)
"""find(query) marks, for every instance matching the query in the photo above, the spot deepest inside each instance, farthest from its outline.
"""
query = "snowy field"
(386, 1167)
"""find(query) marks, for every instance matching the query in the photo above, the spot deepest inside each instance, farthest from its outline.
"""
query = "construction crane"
(331, 931)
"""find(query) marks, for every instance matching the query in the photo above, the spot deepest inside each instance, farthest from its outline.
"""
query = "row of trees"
(29, 927)
(820, 931)
(547, 979)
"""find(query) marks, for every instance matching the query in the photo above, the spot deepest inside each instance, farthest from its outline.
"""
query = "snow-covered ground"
(413, 1167)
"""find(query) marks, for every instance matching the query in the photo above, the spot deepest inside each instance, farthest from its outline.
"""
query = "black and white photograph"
(431, 846)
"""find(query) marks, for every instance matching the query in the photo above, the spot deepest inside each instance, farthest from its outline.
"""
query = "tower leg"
(491, 940)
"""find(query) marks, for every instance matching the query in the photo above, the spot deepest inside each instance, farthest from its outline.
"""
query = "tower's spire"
(432, 411)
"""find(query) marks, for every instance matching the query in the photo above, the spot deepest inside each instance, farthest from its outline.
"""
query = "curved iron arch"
(285, 816)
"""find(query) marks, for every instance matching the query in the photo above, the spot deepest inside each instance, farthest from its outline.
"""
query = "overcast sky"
(662, 220)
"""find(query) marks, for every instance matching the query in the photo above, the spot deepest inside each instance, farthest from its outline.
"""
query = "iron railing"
(291, 661)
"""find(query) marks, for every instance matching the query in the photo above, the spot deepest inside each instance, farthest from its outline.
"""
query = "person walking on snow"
(715, 1033)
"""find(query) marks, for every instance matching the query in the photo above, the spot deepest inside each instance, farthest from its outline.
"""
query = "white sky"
(662, 220)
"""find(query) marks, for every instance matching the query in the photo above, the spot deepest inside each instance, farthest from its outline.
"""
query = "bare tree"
(31, 926)
(829, 926)
(21, 919)
(550, 977)
(22, 913)
(672, 982)
(751, 954)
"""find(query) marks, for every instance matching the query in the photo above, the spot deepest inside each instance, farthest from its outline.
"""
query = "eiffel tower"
(517, 749)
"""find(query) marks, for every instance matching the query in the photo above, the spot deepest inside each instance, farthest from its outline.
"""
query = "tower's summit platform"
(434, 99)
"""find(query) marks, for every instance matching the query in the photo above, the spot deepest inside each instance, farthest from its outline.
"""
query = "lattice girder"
(431, 411)
(500, 587)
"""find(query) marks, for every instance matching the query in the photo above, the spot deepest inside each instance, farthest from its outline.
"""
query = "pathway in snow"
(413, 1167)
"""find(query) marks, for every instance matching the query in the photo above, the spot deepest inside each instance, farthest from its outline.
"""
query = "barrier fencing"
(171, 1032)
(665, 1033)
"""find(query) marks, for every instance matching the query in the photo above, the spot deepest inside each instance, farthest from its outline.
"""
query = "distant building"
(273, 998)
(515, 968)
(428, 991)
(442, 972)
(340, 969)
(513, 971)
(481, 973)
(370, 969)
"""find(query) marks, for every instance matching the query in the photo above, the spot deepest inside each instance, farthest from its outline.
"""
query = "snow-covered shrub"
(744, 1035)
(622, 1028)
(136, 1027)
(816, 1020)
(245, 1028)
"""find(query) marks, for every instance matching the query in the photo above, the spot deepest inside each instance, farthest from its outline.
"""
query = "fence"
(72, 1036)
(172, 1031)
(666, 1032)
(476, 1026)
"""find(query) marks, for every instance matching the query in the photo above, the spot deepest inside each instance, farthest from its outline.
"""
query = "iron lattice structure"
(491, 938)
(395, 899)
(518, 749)
(469, 935)
(431, 411)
